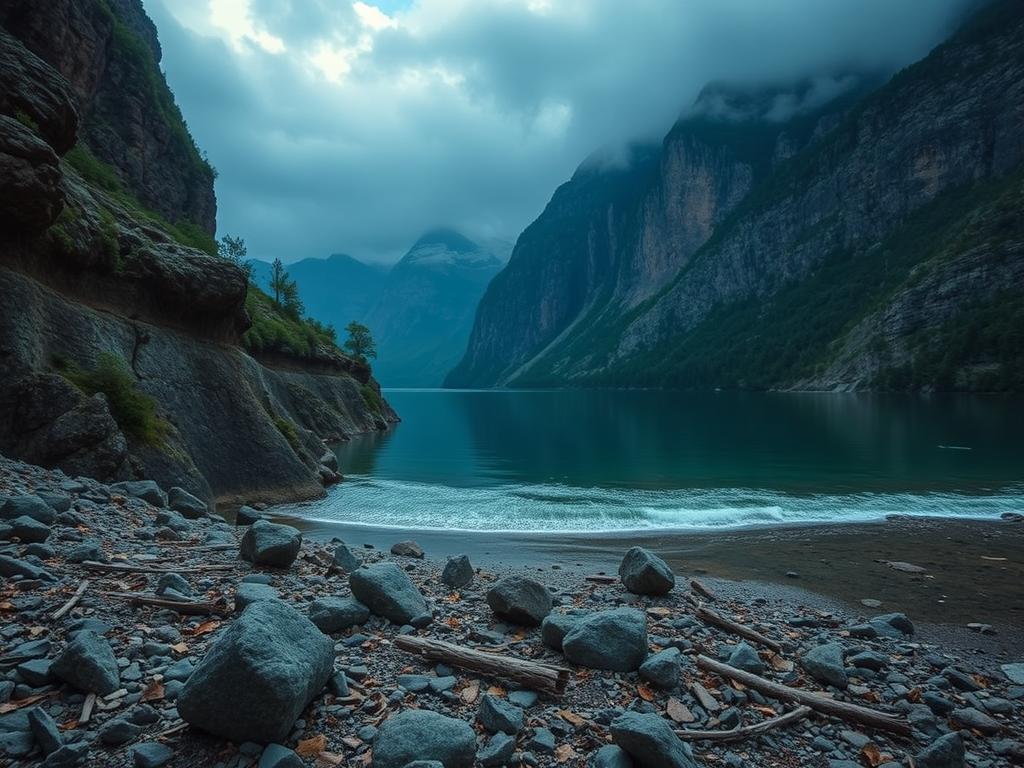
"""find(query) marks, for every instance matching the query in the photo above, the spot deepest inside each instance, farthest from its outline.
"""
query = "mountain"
(825, 235)
(128, 348)
(420, 311)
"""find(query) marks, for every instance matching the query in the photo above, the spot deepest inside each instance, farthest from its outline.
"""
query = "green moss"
(24, 118)
(135, 412)
(372, 398)
(109, 239)
(275, 331)
(291, 434)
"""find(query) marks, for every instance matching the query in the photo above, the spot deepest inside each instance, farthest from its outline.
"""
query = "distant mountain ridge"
(873, 239)
(420, 310)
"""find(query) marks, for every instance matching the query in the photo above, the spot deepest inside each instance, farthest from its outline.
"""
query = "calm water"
(606, 461)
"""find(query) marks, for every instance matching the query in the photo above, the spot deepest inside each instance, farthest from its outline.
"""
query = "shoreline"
(838, 564)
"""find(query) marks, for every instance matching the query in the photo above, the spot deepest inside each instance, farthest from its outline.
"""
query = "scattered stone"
(45, 730)
(28, 505)
(271, 544)
(945, 752)
(277, 756)
(1014, 672)
(248, 515)
(611, 756)
(973, 719)
(520, 600)
(151, 754)
(644, 573)
(497, 715)
(554, 628)
(344, 559)
(12, 566)
(386, 590)
(68, 756)
(458, 572)
(825, 664)
(663, 669)
(498, 751)
(614, 640)
(407, 549)
(175, 582)
(88, 664)
(30, 530)
(744, 657)
(259, 675)
(419, 734)
(897, 621)
(147, 490)
(333, 614)
(248, 593)
(649, 740)
(190, 507)
(117, 732)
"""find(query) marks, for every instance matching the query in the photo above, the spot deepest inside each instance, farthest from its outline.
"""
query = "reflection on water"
(601, 460)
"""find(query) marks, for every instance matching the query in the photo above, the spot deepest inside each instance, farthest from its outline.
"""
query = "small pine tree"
(360, 344)
(233, 249)
(278, 281)
(291, 304)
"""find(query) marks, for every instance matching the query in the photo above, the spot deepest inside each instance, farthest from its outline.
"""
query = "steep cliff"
(843, 245)
(121, 346)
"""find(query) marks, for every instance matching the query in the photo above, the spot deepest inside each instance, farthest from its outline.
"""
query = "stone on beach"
(945, 752)
(407, 549)
(88, 664)
(644, 573)
(614, 640)
(271, 544)
(663, 669)
(458, 572)
(333, 614)
(183, 502)
(745, 657)
(387, 591)
(555, 627)
(520, 600)
(344, 559)
(248, 515)
(30, 530)
(825, 664)
(28, 505)
(248, 593)
(259, 675)
(419, 734)
(650, 741)
(147, 490)
(499, 716)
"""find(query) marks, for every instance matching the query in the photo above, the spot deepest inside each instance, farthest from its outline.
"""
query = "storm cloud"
(353, 127)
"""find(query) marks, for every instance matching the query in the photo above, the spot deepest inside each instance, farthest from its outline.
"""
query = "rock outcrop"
(874, 242)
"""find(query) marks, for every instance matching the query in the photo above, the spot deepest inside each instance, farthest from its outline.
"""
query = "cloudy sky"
(342, 126)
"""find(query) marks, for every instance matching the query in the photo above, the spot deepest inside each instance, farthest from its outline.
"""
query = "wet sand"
(974, 569)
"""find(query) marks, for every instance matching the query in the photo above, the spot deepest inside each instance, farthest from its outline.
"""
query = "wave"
(552, 508)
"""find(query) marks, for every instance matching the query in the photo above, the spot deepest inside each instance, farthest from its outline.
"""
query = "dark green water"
(628, 460)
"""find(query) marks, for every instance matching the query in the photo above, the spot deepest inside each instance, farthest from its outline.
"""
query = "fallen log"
(716, 619)
(72, 601)
(186, 608)
(883, 721)
(532, 674)
(601, 578)
(92, 565)
(747, 731)
(703, 589)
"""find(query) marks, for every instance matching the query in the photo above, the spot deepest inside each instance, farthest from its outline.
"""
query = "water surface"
(598, 461)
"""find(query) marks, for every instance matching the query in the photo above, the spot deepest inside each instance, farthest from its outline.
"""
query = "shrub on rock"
(259, 675)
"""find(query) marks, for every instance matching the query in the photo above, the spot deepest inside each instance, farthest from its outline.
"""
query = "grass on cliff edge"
(273, 330)
(135, 412)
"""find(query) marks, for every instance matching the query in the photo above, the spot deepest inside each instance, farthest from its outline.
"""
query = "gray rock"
(59, 502)
(498, 716)
(28, 505)
(45, 730)
(1014, 672)
(247, 516)
(945, 752)
(663, 669)
(271, 544)
(649, 740)
(30, 530)
(147, 490)
(174, 581)
(458, 572)
(522, 698)
(960, 680)
(12, 566)
(555, 627)
(68, 756)
(191, 507)
(90, 549)
(611, 756)
(897, 621)
(615, 640)
(543, 740)
(520, 600)
(16, 743)
(386, 590)
(151, 754)
(407, 549)
(344, 559)
(277, 756)
(88, 663)
(498, 751)
(36, 672)
(644, 573)
(248, 593)
(419, 734)
(333, 614)
(869, 660)
(975, 720)
(259, 675)
(117, 732)
(744, 657)
(825, 664)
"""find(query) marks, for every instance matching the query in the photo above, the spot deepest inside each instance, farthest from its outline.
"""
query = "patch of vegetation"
(109, 239)
(135, 412)
(287, 428)
(25, 119)
(372, 398)
(273, 330)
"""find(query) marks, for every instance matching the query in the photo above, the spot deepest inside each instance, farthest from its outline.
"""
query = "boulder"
(498, 716)
(151, 754)
(191, 507)
(44, 730)
(419, 734)
(897, 621)
(520, 600)
(12, 566)
(344, 559)
(644, 573)
(497, 752)
(28, 505)
(271, 544)
(663, 669)
(246, 594)
(386, 590)
(611, 756)
(333, 614)
(650, 741)
(89, 549)
(30, 531)
(555, 627)
(277, 756)
(247, 516)
(615, 640)
(88, 664)
(175, 582)
(259, 675)
(945, 752)
(744, 657)
(147, 490)
(407, 549)
(458, 572)
(825, 664)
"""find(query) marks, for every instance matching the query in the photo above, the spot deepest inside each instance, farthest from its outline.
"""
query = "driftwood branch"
(702, 589)
(747, 731)
(187, 608)
(539, 677)
(72, 601)
(816, 701)
(92, 565)
(710, 617)
(601, 578)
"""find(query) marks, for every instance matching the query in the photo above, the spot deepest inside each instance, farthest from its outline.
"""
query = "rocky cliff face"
(109, 54)
(120, 346)
(767, 252)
